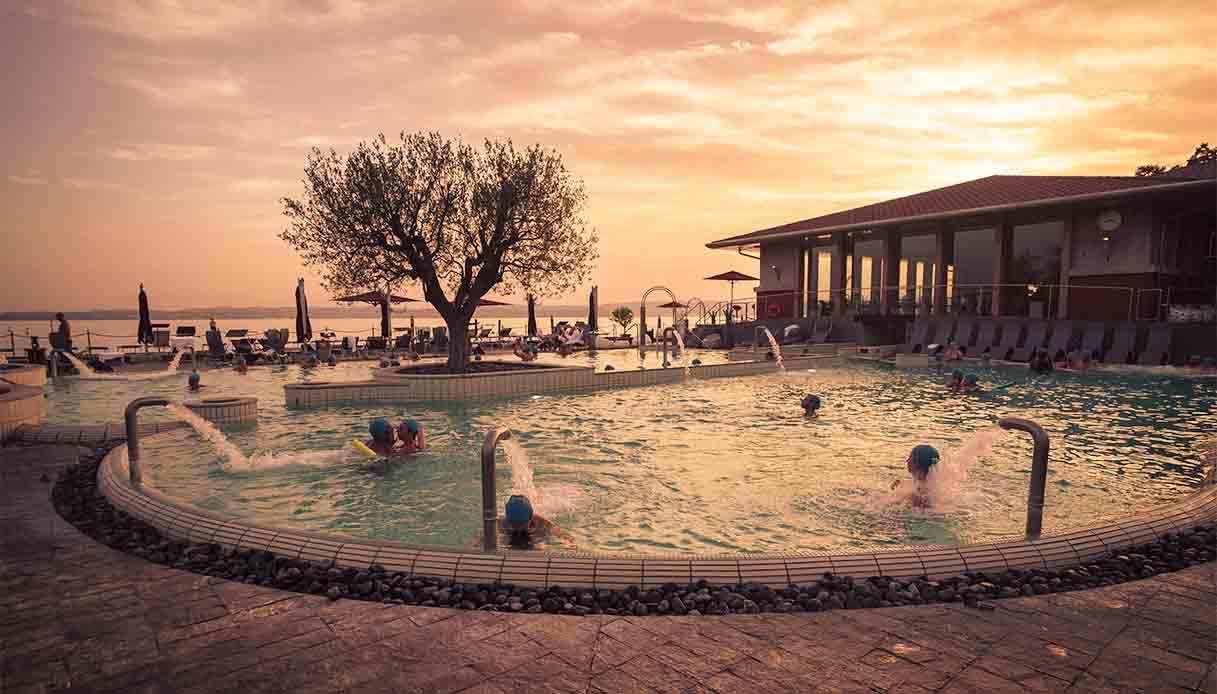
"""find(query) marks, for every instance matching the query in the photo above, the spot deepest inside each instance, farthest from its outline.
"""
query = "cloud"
(27, 180)
(188, 92)
(76, 183)
(260, 185)
(160, 151)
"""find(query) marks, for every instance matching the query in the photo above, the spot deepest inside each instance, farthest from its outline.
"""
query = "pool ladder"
(1039, 472)
(490, 512)
(130, 419)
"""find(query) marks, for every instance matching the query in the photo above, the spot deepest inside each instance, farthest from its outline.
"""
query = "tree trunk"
(458, 343)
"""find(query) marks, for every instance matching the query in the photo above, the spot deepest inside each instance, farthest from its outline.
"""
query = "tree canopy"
(457, 219)
(1203, 155)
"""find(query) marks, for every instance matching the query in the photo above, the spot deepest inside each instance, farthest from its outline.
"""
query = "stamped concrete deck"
(78, 616)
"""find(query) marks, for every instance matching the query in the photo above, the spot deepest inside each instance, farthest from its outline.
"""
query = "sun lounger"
(215, 346)
(919, 337)
(965, 331)
(1093, 338)
(1011, 331)
(1062, 338)
(439, 338)
(820, 330)
(403, 341)
(986, 337)
(374, 342)
(1037, 332)
(1157, 346)
(1123, 344)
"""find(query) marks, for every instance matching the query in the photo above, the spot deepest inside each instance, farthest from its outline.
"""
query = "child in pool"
(956, 383)
(410, 433)
(920, 463)
(382, 440)
(811, 405)
(971, 383)
(522, 528)
(194, 382)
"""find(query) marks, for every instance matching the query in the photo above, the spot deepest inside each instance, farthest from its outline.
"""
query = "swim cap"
(518, 510)
(379, 428)
(971, 379)
(384, 363)
(811, 402)
(194, 377)
(924, 457)
(956, 374)
(412, 426)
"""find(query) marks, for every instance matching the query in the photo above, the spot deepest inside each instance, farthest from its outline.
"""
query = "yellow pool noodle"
(367, 452)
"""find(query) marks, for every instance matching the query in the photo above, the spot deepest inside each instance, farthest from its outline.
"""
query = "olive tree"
(457, 219)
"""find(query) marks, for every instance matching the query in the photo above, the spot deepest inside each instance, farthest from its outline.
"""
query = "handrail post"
(490, 515)
(130, 419)
(1039, 472)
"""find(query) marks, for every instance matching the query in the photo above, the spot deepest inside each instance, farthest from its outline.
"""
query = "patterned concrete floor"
(78, 616)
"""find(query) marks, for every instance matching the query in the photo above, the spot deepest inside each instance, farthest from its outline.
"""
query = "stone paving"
(77, 616)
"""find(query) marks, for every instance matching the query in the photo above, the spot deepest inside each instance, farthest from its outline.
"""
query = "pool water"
(700, 466)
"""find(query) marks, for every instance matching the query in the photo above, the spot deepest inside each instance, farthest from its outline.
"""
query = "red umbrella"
(732, 277)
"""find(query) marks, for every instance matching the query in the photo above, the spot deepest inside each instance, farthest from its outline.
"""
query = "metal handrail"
(1039, 472)
(130, 418)
(490, 514)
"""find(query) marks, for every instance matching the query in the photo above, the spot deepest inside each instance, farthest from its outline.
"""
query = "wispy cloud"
(27, 180)
(161, 151)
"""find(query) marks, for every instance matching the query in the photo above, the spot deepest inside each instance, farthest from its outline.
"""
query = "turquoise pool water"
(723, 465)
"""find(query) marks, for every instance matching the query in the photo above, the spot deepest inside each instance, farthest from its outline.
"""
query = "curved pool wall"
(179, 519)
(24, 374)
(20, 403)
(390, 385)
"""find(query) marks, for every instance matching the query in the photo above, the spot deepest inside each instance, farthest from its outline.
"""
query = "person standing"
(64, 332)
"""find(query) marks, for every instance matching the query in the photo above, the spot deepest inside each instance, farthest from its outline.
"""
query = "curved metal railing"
(131, 420)
(490, 514)
(1039, 472)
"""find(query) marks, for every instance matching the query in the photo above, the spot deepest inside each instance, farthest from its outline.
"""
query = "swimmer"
(971, 383)
(952, 352)
(1040, 363)
(194, 381)
(811, 405)
(522, 527)
(382, 437)
(410, 433)
(920, 463)
(956, 382)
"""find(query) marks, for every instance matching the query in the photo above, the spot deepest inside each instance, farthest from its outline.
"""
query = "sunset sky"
(150, 141)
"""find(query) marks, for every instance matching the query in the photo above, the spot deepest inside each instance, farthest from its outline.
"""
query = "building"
(1084, 247)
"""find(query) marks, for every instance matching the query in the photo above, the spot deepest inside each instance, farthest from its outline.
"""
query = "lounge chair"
(185, 331)
(403, 341)
(944, 329)
(275, 340)
(439, 339)
(919, 337)
(965, 332)
(160, 339)
(792, 334)
(1093, 338)
(1157, 346)
(375, 342)
(986, 336)
(820, 330)
(1123, 344)
(1037, 332)
(1011, 331)
(1061, 340)
(215, 346)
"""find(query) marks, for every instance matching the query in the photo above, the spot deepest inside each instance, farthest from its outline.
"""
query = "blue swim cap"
(194, 377)
(924, 457)
(956, 374)
(971, 379)
(379, 428)
(811, 402)
(412, 426)
(518, 510)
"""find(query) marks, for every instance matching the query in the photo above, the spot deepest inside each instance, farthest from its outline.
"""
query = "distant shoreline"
(315, 312)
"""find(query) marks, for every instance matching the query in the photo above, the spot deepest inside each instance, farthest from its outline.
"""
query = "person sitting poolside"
(522, 528)
(194, 381)
(524, 351)
(382, 440)
(920, 464)
(410, 433)
(956, 382)
(811, 405)
(952, 352)
(1040, 362)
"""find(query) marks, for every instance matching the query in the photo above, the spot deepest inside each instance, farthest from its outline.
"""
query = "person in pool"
(971, 383)
(920, 464)
(194, 382)
(956, 382)
(382, 440)
(811, 405)
(410, 433)
(242, 367)
(522, 528)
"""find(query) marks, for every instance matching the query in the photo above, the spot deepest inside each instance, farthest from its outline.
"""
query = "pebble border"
(78, 499)
(180, 520)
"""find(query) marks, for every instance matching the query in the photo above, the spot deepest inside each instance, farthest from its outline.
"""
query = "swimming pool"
(707, 466)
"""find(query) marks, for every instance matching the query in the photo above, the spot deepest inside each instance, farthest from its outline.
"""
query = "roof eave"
(735, 241)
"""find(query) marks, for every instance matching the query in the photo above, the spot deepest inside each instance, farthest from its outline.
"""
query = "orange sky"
(150, 140)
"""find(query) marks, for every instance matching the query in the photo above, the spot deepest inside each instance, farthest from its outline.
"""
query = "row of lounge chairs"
(1016, 339)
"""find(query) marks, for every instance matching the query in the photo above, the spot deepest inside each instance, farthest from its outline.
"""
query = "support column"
(944, 255)
(890, 301)
(812, 288)
(800, 271)
(1003, 241)
(1062, 302)
(837, 273)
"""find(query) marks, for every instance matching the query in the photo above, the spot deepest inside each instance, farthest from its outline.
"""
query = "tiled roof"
(988, 192)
